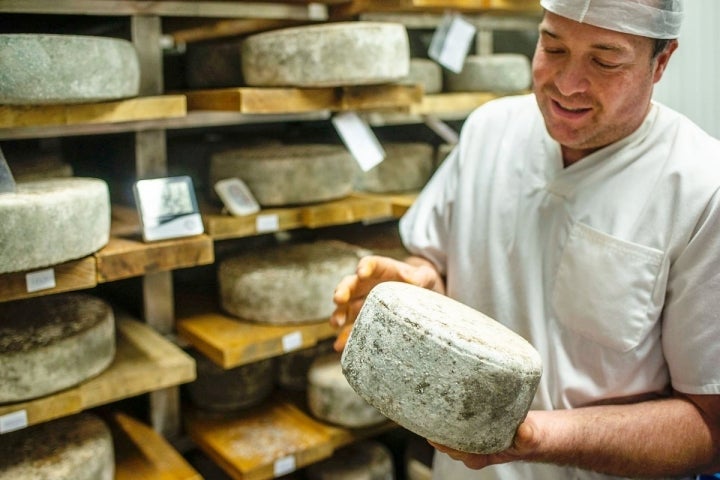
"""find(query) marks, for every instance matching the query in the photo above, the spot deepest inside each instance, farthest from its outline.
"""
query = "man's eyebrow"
(609, 47)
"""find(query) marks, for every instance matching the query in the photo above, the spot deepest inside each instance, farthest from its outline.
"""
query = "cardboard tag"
(359, 139)
(451, 42)
(40, 280)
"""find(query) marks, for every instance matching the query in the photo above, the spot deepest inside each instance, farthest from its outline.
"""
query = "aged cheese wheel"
(293, 367)
(332, 399)
(441, 369)
(280, 175)
(287, 284)
(221, 390)
(366, 460)
(406, 167)
(78, 447)
(51, 343)
(213, 65)
(327, 55)
(43, 69)
(425, 72)
(46, 222)
(502, 72)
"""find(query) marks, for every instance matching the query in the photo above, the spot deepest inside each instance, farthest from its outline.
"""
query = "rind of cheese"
(52, 343)
(47, 222)
(213, 65)
(327, 55)
(293, 367)
(406, 167)
(366, 460)
(441, 369)
(425, 72)
(332, 399)
(78, 447)
(501, 73)
(286, 284)
(279, 175)
(47, 68)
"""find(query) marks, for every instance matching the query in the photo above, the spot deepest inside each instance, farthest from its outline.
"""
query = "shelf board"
(399, 202)
(73, 275)
(355, 7)
(144, 362)
(141, 452)
(231, 342)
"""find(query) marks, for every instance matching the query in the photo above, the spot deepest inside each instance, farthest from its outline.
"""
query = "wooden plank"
(460, 102)
(140, 452)
(348, 210)
(399, 202)
(221, 227)
(356, 7)
(73, 275)
(369, 97)
(188, 31)
(231, 342)
(133, 109)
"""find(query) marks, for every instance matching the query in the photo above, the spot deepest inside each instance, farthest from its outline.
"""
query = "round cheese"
(366, 460)
(332, 399)
(213, 65)
(441, 369)
(426, 73)
(327, 55)
(51, 343)
(293, 367)
(221, 390)
(279, 175)
(502, 73)
(47, 222)
(78, 447)
(39, 167)
(406, 167)
(43, 69)
(286, 284)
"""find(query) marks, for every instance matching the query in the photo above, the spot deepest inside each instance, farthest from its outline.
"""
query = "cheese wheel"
(288, 284)
(279, 175)
(293, 367)
(502, 73)
(406, 167)
(78, 447)
(327, 55)
(221, 390)
(332, 399)
(51, 221)
(426, 73)
(213, 65)
(39, 167)
(366, 460)
(443, 151)
(42, 69)
(441, 369)
(51, 343)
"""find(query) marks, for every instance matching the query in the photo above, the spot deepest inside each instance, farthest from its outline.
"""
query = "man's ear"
(663, 59)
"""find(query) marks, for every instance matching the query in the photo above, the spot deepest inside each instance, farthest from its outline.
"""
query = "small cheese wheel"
(279, 175)
(426, 73)
(327, 55)
(288, 284)
(39, 167)
(78, 447)
(440, 368)
(47, 222)
(332, 399)
(366, 460)
(293, 367)
(42, 69)
(406, 167)
(51, 343)
(213, 65)
(502, 73)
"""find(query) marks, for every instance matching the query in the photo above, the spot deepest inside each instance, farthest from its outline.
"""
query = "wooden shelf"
(73, 275)
(144, 362)
(231, 342)
(399, 203)
(355, 7)
(141, 452)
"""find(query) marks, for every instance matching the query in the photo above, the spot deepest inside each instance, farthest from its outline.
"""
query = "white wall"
(691, 84)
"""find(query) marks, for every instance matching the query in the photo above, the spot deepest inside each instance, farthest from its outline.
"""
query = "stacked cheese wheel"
(406, 167)
(367, 460)
(502, 73)
(293, 367)
(426, 73)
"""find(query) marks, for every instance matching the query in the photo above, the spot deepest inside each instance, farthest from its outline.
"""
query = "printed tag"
(284, 465)
(267, 223)
(13, 421)
(451, 42)
(292, 341)
(359, 139)
(40, 280)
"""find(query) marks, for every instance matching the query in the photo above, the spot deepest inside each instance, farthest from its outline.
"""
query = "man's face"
(593, 85)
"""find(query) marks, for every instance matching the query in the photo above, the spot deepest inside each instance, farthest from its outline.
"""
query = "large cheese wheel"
(221, 390)
(293, 367)
(52, 343)
(280, 175)
(424, 72)
(286, 284)
(366, 460)
(406, 167)
(330, 54)
(332, 399)
(78, 447)
(502, 73)
(42, 69)
(213, 65)
(441, 369)
(29, 168)
(47, 222)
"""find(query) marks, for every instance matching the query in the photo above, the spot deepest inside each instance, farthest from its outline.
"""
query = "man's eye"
(609, 66)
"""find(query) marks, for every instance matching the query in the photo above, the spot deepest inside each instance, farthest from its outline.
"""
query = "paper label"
(284, 465)
(267, 223)
(13, 421)
(292, 341)
(359, 139)
(40, 280)
(451, 42)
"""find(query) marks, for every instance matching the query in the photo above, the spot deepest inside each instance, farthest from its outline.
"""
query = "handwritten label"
(40, 280)
(292, 341)
(359, 139)
(13, 421)
(284, 465)
(267, 223)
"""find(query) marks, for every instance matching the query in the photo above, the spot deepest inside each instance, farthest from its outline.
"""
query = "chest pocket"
(604, 288)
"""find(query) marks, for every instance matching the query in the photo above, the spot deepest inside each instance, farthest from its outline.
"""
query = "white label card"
(292, 341)
(283, 466)
(267, 223)
(451, 42)
(13, 421)
(40, 280)
(359, 139)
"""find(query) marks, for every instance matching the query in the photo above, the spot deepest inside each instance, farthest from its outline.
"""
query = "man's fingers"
(342, 338)
(344, 289)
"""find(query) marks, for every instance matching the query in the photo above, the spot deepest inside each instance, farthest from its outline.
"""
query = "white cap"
(648, 18)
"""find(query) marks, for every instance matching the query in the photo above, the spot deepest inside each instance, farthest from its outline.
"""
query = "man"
(586, 218)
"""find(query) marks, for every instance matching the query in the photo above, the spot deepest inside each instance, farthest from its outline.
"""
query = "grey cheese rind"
(501, 73)
(366, 460)
(47, 222)
(441, 369)
(51, 343)
(424, 72)
(40, 69)
(407, 167)
(327, 55)
(78, 447)
(287, 284)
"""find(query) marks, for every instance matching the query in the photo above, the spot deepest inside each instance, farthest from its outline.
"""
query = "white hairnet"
(648, 18)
